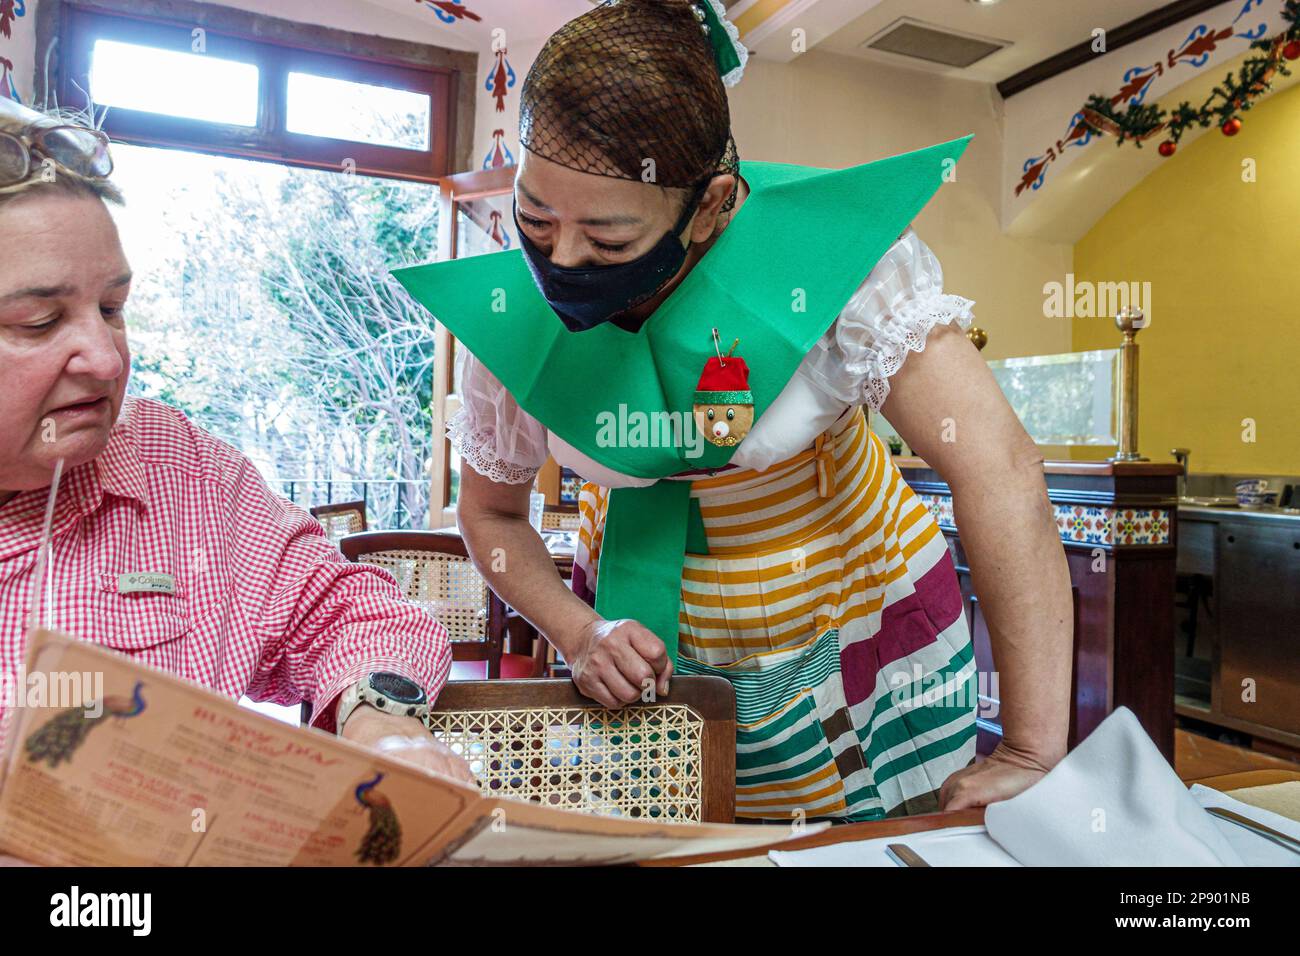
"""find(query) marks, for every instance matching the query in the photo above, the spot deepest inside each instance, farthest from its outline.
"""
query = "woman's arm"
(947, 406)
(612, 661)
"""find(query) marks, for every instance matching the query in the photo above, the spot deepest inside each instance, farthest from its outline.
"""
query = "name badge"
(146, 582)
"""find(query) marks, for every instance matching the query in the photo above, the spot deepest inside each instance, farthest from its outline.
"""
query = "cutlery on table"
(904, 855)
(1268, 833)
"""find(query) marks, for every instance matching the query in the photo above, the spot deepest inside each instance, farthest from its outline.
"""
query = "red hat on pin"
(724, 382)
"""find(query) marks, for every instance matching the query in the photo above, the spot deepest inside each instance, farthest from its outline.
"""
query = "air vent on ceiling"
(925, 41)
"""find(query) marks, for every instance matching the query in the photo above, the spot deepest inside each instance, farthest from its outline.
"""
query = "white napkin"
(1113, 801)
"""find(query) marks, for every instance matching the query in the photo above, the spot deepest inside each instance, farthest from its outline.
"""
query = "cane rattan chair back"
(341, 519)
(434, 571)
(540, 740)
(560, 519)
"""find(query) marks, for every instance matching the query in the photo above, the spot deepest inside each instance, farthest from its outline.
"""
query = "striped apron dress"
(829, 600)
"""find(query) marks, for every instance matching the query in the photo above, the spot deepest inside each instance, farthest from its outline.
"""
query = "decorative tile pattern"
(570, 486)
(940, 507)
(1083, 524)
(1141, 526)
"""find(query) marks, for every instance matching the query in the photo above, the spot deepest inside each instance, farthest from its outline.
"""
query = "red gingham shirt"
(264, 605)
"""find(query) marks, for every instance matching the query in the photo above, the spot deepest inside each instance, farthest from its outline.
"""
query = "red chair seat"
(513, 667)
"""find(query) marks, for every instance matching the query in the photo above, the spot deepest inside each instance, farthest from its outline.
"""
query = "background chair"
(434, 570)
(343, 518)
(542, 741)
(560, 518)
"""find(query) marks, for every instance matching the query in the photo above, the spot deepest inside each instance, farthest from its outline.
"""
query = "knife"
(1268, 833)
(904, 855)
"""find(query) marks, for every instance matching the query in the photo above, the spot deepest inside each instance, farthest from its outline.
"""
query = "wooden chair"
(343, 518)
(542, 741)
(434, 570)
(560, 518)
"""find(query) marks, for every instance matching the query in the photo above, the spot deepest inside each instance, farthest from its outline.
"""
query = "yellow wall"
(1222, 256)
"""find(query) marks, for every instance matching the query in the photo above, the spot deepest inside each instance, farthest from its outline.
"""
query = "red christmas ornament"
(1292, 50)
(1167, 148)
(1232, 127)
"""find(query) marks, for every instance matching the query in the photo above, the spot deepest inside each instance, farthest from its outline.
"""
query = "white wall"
(20, 49)
(829, 110)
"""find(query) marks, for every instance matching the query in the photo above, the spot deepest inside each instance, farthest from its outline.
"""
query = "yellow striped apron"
(829, 600)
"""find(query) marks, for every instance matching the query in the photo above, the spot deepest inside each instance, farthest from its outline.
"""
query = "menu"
(111, 763)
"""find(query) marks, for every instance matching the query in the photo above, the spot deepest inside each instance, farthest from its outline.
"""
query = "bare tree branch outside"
(266, 312)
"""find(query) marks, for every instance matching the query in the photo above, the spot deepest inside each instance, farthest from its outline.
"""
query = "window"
(175, 84)
(198, 87)
(359, 112)
(262, 306)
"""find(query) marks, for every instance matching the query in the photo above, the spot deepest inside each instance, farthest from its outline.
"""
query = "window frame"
(81, 25)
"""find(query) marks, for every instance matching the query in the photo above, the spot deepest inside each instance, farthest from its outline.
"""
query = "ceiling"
(1037, 28)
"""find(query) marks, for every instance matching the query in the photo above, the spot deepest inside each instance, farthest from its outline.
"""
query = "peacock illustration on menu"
(383, 840)
(58, 739)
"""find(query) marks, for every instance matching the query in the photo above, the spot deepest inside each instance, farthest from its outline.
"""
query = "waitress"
(696, 337)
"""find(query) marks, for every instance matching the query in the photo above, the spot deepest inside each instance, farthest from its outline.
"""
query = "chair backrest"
(340, 519)
(434, 571)
(556, 519)
(541, 741)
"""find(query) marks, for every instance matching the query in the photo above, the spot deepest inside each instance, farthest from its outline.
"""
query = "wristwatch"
(384, 691)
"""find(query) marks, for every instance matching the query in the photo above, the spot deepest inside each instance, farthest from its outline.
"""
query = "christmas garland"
(1236, 94)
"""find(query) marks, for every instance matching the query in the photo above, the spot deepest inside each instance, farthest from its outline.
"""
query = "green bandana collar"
(776, 278)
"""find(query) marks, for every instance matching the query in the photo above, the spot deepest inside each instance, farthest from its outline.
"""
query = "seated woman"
(249, 597)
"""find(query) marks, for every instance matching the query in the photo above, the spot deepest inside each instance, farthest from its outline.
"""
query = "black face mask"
(583, 298)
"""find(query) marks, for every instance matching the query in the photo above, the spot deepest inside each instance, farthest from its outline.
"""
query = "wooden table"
(1197, 757)
(852, 832)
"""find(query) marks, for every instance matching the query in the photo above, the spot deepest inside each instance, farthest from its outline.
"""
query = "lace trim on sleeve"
(477, 448)
(913, 322)
(891, 314)
(490, 432)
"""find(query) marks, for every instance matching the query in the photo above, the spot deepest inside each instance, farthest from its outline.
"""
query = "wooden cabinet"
(1258, 651)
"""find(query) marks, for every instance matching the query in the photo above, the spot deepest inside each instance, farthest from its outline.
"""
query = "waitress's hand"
(1000, 776)
(617, 662)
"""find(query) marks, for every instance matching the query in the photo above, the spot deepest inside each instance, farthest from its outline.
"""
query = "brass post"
(1129, 321)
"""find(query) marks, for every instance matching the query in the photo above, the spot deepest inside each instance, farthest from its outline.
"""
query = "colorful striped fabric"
(829, 600)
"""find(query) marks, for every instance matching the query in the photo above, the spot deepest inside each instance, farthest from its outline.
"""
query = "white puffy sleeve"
(891, 314)
(490, 432)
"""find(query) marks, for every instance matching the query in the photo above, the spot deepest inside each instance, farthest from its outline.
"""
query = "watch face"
(396, 687)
